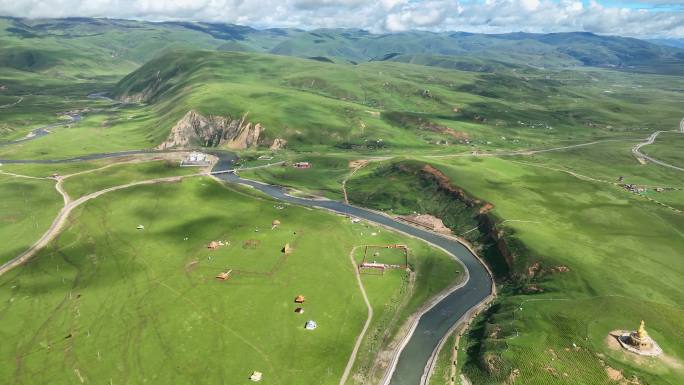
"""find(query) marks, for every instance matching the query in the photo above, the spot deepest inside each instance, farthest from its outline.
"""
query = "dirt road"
(69, 205)
(369, 318)
(636, 150)
(527, 152)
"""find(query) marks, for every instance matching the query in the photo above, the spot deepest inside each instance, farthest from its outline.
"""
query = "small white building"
(310, 325)
(256, 376)
(140, 227)
(195, 159)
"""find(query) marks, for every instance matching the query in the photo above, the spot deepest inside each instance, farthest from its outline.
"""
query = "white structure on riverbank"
(195, 159)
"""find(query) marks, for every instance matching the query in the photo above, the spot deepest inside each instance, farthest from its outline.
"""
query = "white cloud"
(381, 15)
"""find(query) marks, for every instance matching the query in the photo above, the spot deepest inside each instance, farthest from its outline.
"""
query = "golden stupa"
(640, 338)
(640, 342)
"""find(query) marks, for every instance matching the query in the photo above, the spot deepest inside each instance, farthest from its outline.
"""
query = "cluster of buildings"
(634, 188)
(631, 187)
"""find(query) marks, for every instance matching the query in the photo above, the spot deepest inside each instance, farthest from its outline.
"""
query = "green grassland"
(41, 102)
(603, 233)
(86, 183)
(105, 300)
(103, 47)
(609, 161)
(375, 107)
(669, 148)
(381, 106)
(98, 132)
(606, 236)
(44, 170)
(27, 208)
(394, 295)
(324, 178)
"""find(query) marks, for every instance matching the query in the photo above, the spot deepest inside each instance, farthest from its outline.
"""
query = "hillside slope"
(396, 106)
(112, 46)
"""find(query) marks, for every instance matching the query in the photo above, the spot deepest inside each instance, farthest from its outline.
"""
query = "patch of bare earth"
(613, 374)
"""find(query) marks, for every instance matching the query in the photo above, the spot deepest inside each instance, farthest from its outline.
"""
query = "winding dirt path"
(21, 98)
(527, 152)
(359, 339)
(636, 150)
(344, 182)
(69, 205)
(21, 176)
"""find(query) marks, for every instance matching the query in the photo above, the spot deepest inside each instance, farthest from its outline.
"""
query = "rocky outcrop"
(213, 131)
(278, 144)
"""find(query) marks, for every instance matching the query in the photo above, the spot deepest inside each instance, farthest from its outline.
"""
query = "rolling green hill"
(437, 115)
(120, 45)
(383, 106)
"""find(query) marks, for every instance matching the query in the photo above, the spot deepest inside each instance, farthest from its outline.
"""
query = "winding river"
(409, 366)
(438, 320)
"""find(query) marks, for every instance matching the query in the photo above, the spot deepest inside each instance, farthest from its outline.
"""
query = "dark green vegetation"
(144, 304)
(441, 374)
(407, 187)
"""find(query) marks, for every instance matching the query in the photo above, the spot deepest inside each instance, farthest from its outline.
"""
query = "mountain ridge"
(550, 50)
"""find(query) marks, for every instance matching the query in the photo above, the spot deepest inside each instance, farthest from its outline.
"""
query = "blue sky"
(637, 18)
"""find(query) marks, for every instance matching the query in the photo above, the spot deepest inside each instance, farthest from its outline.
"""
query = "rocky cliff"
(213, 131)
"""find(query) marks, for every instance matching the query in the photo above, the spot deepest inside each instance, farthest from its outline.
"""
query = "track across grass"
(144, 304)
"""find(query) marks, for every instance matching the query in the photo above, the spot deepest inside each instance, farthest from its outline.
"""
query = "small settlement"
(310, 324)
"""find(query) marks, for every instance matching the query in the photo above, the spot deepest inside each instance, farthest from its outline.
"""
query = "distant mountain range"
(38, 45)
(677, 43)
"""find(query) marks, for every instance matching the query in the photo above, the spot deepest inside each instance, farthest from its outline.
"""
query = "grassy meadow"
(120, 174)
(105, 300)
(27, 208)
(607, 237)
(324, 178)
(109, 130)
(380, 108)
(668, 147)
